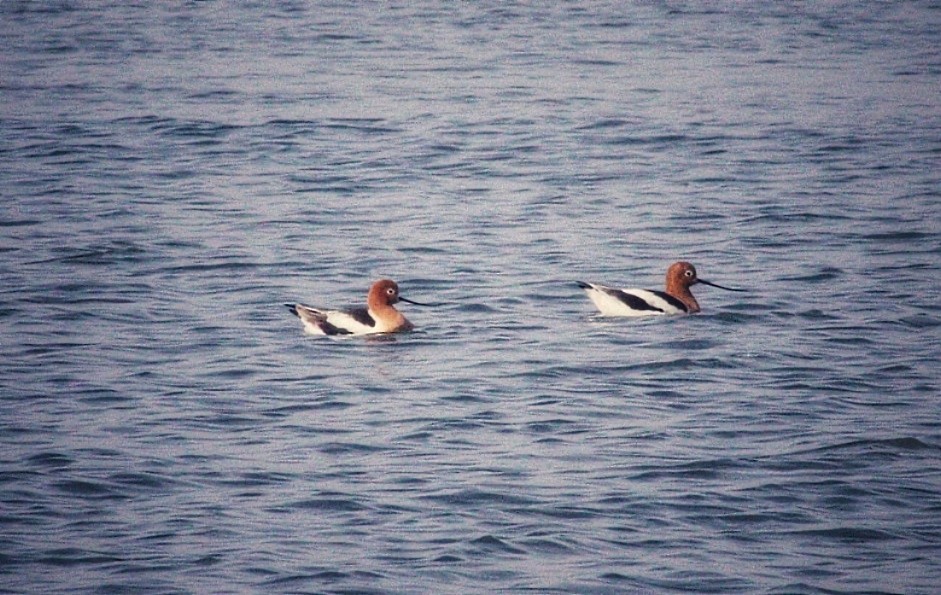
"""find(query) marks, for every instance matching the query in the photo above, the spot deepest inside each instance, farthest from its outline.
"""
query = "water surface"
(172, 174)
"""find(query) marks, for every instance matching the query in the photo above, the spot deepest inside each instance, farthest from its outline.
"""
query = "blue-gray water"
(171, 173)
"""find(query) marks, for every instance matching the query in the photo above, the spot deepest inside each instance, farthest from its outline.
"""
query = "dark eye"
(390, 291)
(689, 273)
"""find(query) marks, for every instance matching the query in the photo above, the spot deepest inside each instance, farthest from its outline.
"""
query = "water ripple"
(173, 176)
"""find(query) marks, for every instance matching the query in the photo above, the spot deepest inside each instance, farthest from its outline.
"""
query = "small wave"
(848, 534)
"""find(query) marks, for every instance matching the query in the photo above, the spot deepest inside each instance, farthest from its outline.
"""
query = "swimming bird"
(677, 299)
(379, 315)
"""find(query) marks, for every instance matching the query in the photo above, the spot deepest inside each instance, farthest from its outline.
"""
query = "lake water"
(172, 173)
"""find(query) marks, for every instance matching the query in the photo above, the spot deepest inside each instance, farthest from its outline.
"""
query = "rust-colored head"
(680, 277)
(383, 293)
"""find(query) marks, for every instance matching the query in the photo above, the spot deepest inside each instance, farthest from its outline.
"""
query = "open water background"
(172, 172)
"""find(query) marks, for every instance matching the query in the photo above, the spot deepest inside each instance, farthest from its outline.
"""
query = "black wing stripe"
(633, 302)
(671, 300)
(361, 315)
(331, 329)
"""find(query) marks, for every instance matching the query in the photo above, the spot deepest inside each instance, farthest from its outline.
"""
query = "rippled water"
(171, 174)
